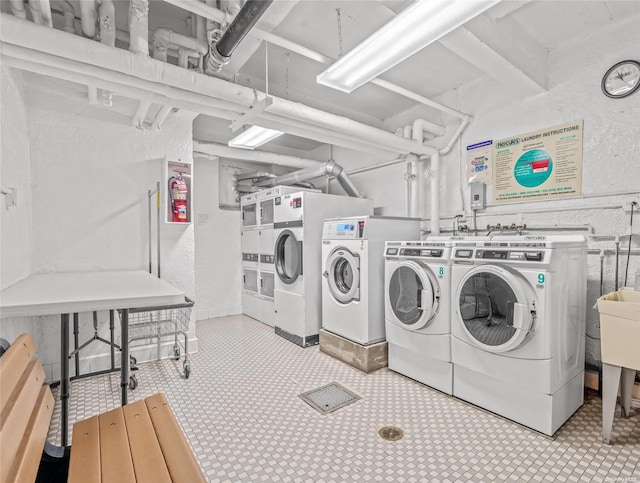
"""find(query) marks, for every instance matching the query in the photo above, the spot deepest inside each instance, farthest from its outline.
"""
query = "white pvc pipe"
(92, 94)
(163, 38)
(141, 114)
(34, 8)
(107, 22)
(202, 9)
(45, 12)
(223, 151)
(69, 14)
(160, 117)
(435, 193)
(223, 94)
(88, 16)
(17, 9)
(139, 26)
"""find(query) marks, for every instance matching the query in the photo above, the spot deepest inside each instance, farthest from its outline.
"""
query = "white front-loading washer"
(418, 310)
(298, 223)
(353, 273)
(518, 327)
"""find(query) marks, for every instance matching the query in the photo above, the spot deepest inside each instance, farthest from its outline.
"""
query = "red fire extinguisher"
(179, 193)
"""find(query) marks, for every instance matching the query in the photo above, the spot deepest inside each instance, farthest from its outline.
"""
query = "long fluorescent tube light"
(253, 137)
(417, 26)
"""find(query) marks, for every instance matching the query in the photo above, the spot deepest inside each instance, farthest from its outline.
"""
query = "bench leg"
(628, 376)
(124, 355)
(610, 382)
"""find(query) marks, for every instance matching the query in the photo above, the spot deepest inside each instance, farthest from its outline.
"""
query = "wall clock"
(622, 79)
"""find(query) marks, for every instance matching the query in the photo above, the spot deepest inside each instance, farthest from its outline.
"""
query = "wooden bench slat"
(148, 461)
(16, 414)
(115, 454)
(27, 461)
(178, 455)
(84, 466)
(12, 365)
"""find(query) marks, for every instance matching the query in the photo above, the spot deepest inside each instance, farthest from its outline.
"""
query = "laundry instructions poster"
(539, 165)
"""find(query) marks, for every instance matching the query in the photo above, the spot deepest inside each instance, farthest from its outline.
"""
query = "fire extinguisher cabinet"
(179, 197)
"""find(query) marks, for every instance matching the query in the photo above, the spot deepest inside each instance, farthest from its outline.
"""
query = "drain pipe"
(88, 17)
(330, 168)
(17, 9)
(223, 151)
(139, 26)
(220, 51)
(107, 21)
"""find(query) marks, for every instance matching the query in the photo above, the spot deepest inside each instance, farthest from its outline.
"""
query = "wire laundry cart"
(156, 323)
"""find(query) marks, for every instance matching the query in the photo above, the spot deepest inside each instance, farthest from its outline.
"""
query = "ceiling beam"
(501, 65)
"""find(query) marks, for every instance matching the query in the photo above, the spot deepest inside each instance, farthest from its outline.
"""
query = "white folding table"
(65, 293)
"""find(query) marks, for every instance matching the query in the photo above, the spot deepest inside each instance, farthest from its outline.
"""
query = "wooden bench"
(139, 442)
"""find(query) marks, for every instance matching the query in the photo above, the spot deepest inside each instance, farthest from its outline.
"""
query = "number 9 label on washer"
(541, 278)
(441, 271)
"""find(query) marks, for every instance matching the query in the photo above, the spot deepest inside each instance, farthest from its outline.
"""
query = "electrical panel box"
(477, 196)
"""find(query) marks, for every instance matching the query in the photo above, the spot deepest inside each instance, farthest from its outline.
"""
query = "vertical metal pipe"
(617, 242)
(113, 349)
(158, 203)
(75, 343)
(149, 194)
(124, 358)
(64, 376)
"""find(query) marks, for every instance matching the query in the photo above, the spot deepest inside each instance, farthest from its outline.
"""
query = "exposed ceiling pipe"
(417, 131)
(88, 17)
(220, 51)
(217, 15)
(330, 168)
(164, 38)
(139, 26)
(160, 117)
(68, 12)
(92, 94)
(17, 8)
(107, 22)
(223, 151)
(57, 49)
(44, 8)
(141, 114)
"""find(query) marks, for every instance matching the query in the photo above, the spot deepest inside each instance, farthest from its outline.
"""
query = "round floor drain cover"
(391, 433)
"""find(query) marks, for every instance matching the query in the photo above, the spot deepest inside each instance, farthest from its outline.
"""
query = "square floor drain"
(327, 399)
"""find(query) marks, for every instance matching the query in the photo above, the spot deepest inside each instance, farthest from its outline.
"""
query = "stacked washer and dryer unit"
(353, 274)
(518, 327)
(298, 224)
(257, 241)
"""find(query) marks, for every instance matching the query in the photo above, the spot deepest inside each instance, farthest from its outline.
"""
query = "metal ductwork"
(220, 51)
(330, 168)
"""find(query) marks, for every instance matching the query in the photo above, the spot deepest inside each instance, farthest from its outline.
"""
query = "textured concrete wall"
(91, 172)
(217, 268)
(16, 244)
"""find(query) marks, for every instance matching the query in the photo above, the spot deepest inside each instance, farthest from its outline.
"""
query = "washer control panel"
(352, 228)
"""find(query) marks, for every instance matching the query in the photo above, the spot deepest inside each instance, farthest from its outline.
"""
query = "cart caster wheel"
(132, 360)
(176, 352)
(187, 371)
(133, 382)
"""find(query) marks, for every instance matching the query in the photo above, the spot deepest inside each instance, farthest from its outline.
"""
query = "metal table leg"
(124, 354)
(113, 351)
(64, 376)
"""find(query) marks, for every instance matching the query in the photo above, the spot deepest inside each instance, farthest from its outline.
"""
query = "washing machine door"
(413, 295)
(343, 275)
(494, 309)
(288, 257)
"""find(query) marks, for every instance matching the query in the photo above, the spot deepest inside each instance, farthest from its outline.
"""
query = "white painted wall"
(217, 255)
(610, 165)
(16, 243)
(90, 174)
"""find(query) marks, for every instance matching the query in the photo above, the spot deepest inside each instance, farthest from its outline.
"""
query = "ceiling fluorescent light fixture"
(417, 26)
(253, 137)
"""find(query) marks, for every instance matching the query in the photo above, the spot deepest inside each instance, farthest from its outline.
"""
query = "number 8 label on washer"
(441, 271)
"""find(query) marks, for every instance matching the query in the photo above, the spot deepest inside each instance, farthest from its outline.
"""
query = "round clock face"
(622, 79)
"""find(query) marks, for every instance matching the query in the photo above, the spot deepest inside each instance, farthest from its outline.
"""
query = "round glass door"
(343, 274)
(412, 295)
(494, 311)
(288, 257)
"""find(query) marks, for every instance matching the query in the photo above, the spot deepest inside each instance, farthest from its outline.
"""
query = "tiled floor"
(241, 412)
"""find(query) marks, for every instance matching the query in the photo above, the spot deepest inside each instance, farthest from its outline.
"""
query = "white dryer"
(518, 327)
(353, 273)
(417, 310)
(298, 223)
